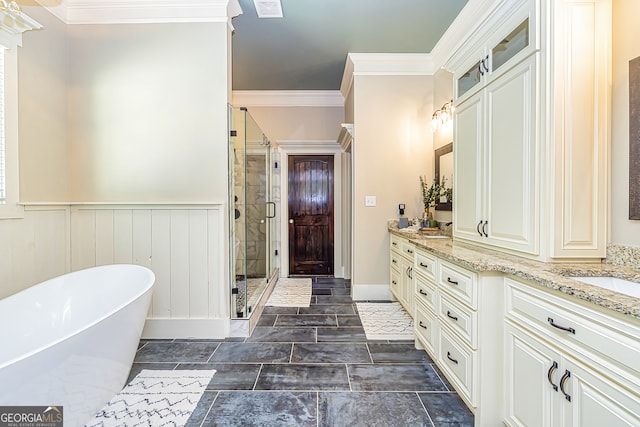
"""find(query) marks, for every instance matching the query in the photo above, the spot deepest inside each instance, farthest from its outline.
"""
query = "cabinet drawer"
(458, 361)
(395, 282)
(408, 249)
(396, 243)
(460, 318)
(425, 292)
(425, 264)
(458, 282)
(602, 338)
(395, 260)
(425, 327)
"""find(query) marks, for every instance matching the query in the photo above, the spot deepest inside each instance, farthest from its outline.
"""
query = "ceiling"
(307, 48)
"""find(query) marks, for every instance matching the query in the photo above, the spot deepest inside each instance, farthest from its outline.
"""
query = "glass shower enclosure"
(252, 213)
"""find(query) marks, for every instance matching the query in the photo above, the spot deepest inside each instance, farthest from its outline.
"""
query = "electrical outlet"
(369, 200)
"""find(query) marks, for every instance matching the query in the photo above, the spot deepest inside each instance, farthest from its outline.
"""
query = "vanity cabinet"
(567, 365)
(530, 138)
(458, 315)
(402, 254)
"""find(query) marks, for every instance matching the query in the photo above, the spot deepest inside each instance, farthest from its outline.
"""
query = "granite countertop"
(550, 275)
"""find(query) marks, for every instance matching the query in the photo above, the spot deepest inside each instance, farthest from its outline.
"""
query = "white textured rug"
(291, 293)
(385, 321)
(155, 398)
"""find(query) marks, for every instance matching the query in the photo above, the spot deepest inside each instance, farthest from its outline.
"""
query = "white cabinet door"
(511, 194)
(468, 158)
(590, 400)
(531, 377)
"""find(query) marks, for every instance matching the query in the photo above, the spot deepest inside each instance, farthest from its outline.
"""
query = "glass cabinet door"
(508, 47)
(469, 79)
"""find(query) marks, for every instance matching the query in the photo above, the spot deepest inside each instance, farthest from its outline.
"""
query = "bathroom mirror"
(444, 168)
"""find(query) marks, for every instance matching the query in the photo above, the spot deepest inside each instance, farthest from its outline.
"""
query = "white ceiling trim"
(287, 98)
(309, 146)
(142, 11)
(467, 22)
(387, 64)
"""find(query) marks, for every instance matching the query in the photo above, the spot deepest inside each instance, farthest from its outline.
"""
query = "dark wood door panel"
(311, 214)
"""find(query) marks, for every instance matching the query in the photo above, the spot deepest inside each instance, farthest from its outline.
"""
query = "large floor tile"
(404, 377)
(397, 353)
(303, 377)
(263, 409)
(185, 352)
(228, 376)
(447, 409)
(202, 409)
(341, 335)
(371, 409)
(280, 310)
(349, 321)
(328, 309)
(307, 320)
(335, 299)
(137, 367)
(261, 334)
(330, 353)
(252, 353)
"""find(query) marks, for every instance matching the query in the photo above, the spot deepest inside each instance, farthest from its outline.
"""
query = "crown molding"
(142, 11)
(16, 23)
(384, 64)
(287, 98)
(330, 146)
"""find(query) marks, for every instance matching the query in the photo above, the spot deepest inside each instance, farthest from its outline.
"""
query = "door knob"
(290, 221)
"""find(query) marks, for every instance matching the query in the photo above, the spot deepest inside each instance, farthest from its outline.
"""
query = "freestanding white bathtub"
(70, 341)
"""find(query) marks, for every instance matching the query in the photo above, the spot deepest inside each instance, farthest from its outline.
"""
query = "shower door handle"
(273, 205)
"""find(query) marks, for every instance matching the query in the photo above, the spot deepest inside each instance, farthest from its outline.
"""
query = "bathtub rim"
(148, 287)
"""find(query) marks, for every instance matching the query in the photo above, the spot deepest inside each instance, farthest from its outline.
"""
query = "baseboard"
(186, 328)
(371, 293)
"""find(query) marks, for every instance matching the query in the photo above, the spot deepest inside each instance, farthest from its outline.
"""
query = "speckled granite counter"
(549, 275)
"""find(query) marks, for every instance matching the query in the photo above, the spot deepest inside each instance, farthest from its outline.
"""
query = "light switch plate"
(369, 200)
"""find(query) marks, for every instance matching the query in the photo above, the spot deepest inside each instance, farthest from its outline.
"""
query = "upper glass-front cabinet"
(500, 53)
(506, 49)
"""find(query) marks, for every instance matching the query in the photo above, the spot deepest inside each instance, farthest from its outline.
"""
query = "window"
(3, 196)
(12, 25)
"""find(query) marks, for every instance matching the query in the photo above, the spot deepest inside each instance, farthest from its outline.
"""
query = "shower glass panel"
(251, 213)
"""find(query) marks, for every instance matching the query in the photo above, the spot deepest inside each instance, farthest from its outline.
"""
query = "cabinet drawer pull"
(394, 244)
(563, 380)
(451, 316)
(484, 229)
(424, 265)
(478, 228)
(451, 358)
(550, 372)
(394, 261)
(394, 282)
(422, 325)
(423, 292)
(563, 328)
(409, 251)
(453, 282)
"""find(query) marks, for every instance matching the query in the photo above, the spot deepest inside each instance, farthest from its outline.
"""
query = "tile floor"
(312, 367)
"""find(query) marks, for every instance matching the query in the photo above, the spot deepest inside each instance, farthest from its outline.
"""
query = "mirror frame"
(439, 152)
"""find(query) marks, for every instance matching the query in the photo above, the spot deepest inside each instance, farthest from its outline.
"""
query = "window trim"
(11, 30)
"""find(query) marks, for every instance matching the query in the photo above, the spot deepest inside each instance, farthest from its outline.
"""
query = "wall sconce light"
(443, 115)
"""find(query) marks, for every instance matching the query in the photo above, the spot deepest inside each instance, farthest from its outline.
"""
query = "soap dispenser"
(402, 222)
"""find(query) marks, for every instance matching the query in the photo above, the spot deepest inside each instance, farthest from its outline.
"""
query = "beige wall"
(626, 34)
(148, 112)
(43, 79)
(393, 146)
(299, 124)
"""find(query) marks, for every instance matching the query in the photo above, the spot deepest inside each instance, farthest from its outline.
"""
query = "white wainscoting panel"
(33, 248)
(184, 247)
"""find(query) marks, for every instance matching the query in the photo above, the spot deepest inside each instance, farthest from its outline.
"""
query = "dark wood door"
(311, 215)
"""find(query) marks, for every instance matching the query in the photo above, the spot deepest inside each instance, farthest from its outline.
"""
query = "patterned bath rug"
(385, 321)
(155, 398)
(291, 293)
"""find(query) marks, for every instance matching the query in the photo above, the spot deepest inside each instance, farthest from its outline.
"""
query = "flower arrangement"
(431, 194)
